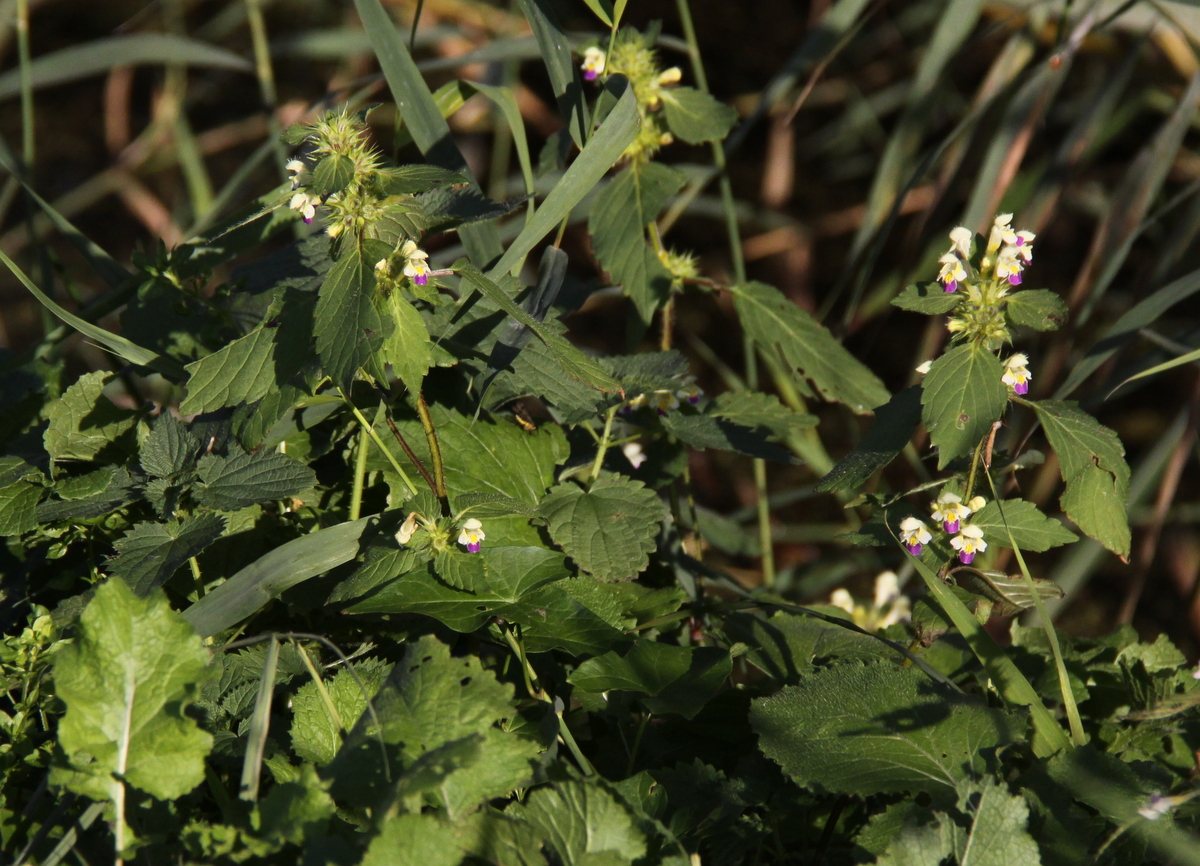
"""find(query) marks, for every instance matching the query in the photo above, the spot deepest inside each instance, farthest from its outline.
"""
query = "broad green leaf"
(126, 681)
(450, 208)
(962, 396)
(120, 491)
(1040, 309)
(915, 844)
(254, 586)
(19, 507)
(895, 423)
(293, 812)
(484, 505)
(574, 362)
(168, 450)
(584, 823)
(100, 55)
(461, 570)
(999, 835)
(617, 224)
(608, 530)
(230, 483)
(601, 153)
(332, 174)
(1031, 529)
(413, 839)
(878, 728)
(504, 764)
(316, 737)
(239, 372)
(407, 348)
(346, 324)
(695, 116)
(928, 298)
(786, 646)
(783, 331)
(118, 345)
(555, 49)
(755, 409)
(83, 422)
(673, 679)
(151, 552)
(415, 178)
(1092, 462)
(709, 431)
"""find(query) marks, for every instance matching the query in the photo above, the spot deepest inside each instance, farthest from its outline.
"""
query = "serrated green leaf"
(83, 422)
(230, 483)
(413, 839)
(617, 224)
(485, 505)
(504, 763)
(584, 824)
(755, 409)
(332, 174)
(120, 491)
(293, 812)
(463, 571)
(1092, 462)
(449, 209)
(962, 396)
(348, 328)
(127, 680)
(1031, 529)
(88, 484)
(928, 298)
(240, 372)
(673, 679)
(895, 423)
(407, 349)
(151, 552)
(782, 330)
(1040, 309)
(913, 844)
(18, 507)
(169, 449)
(649, 371)
(608, 530)
(316, 737)
(878, 728)
(786, 646)
(415, 178)
(695, 116)
(999, 835)
(709, 431)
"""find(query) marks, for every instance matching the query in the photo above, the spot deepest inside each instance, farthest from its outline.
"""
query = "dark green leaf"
(929, 298)
(755, 409)
(169, 449)
(695, 117)
(332, 174)
(84, 422)
(608, 530)
(555, 48)
(18, 507)
(895, 423)
(1040, 309)
(240, 372)
(448, 209)
(230, 483)
(151, 552)
(708, 431)
(962, 395)
(416, 178)
(673, 679)
(1031, 529)
(347, 326)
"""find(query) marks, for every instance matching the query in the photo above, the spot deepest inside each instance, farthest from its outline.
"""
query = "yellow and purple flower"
(690, 393)
(950, 511)
(471, 537)
(415, 267)
(914, 535)
(968, 542)
(306, 204)
(952, 272)
(593, 63)
(1016, 374)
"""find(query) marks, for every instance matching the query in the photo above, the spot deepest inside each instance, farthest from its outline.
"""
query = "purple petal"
(951, 526)
(965, 557)
(1021, 388)
(694, 399)
(951, 285)
(421, 279)
(1014, 279)
(474, 548)
(589, 75)
(915, 549)
(308, 221)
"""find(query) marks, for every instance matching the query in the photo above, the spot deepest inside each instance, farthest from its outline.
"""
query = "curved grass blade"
(1161, 368)
(118, 345)
(507, 103)
(267, 577)
(423, 117)
(260, 722)
(560, 65)
(101, 55)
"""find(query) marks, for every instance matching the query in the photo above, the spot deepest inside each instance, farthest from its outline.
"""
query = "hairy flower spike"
(593, 63)
(949, 511)
(1016, 374)
(471, 537)
(968, 542)
(914, 535)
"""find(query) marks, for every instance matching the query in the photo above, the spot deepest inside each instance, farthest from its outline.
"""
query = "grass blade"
(260, 722)
(560, 65)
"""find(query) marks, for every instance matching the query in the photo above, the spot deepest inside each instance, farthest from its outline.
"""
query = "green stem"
(637, 742)
(199, 581)
(435, 453)
(974, 469)
(28, 147)
(360, 471)
(605, 441)
(391, 458)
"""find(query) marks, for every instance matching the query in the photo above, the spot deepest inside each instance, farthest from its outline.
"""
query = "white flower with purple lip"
(952, 272)
(471, 537)
(415, 267)
(968, 542)
(1016, 374)
(306, 204)
(297, 168)
(950, 511)
(690, 393)
(664, 402)
(914, 535)
(1001, 233)
(1009, 265)
(961, 238)
(593, 63)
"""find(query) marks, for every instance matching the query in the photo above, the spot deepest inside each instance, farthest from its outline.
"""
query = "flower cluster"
(302, 200)
(470, 536)
(889, 606)
(663, 401)
(633, 56)
(951, 512)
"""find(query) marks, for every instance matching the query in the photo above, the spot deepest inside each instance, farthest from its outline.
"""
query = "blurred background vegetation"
(865, 137)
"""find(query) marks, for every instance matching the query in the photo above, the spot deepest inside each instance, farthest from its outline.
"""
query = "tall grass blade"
(260, 723)
(560, 65)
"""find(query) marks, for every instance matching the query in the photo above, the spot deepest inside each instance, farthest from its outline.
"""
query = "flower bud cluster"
(951, 513)
(634, 57)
